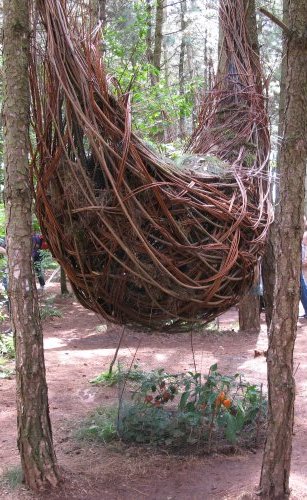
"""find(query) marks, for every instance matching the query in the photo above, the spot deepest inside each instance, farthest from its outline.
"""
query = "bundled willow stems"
(142, 241)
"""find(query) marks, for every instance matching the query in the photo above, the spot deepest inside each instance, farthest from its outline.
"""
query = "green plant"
(12, 477)
(3, 315)
(7, 348)
(2, 218)
(6, 373)
(176, 410)
(49, 311)
(100, 426)
(155, 106)
(106, 378)
(185, 408)
(113, 377)
(47, 261)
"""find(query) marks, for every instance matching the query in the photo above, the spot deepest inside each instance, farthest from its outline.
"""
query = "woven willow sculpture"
(142, 241)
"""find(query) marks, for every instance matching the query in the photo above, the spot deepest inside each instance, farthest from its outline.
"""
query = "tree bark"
(158, 37)
(249, 307)
(63, 281)
(149, 53)
(268, 262)
(249, 313)
(274, 482)
(102, 14)
(34, 430)
(169, 128)
(191, 70)
(206, 62)
(98, 11)
(183, 25)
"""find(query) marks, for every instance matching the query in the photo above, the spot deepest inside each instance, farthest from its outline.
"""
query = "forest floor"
(78, 346)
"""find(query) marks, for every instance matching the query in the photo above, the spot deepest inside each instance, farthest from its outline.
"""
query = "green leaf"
(231, 428)
(184, 399)
(240, 419)
(190, 406)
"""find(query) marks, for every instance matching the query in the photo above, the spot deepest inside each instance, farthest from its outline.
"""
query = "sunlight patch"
(53, 342)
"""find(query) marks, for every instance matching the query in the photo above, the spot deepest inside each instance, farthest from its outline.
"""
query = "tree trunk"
(206, 62)
(183, 25)
(157, 52)
(249, 307)
(268, 262)
(191, 70)
(274, 482)
(102, 14)
(98, 11)
(268, 274)
(249, 313)
(169, 133)
(34, 430)
(149, 53)
(63, 281)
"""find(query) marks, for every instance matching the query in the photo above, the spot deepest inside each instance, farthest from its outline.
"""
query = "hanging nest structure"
(142, 241)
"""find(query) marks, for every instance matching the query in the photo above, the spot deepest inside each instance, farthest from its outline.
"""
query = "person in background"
(37, 258)
(303, 285)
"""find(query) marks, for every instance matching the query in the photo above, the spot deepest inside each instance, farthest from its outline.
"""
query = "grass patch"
(119, 375)
(13, 477)
(6, 373)
(49, 311)
(7, 348)
(100, 426)
(48, 262)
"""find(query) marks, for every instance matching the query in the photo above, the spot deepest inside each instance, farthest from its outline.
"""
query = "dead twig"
(116, 351)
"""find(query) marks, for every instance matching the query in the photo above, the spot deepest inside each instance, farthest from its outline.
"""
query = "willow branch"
(275, 20)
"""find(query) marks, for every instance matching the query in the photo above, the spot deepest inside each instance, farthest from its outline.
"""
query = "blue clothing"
(303, 293)
(36, 247)
(37, 258)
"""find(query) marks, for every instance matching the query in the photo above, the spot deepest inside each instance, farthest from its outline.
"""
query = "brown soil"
(78, 346)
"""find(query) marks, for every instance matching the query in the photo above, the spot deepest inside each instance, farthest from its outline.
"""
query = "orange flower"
(227, 403)
(221, 397)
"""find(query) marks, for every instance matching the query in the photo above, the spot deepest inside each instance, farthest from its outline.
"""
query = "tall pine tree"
(34, 430)
(275, 473)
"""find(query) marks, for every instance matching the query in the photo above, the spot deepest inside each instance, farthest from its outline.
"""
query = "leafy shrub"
(175, 410)
(49, 311)
(47, 261)
(118, 375)
(7, 348)
(12, 477)
(101, 426)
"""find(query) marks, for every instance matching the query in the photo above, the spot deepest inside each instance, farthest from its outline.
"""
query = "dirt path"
(78, 347)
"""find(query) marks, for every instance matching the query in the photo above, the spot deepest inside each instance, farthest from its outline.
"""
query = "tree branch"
(275, 20)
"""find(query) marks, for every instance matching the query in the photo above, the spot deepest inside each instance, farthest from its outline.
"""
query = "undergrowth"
(12, 477)
(7, 349)
(100, 426)
(119, 375)
(7, 353)
(183, 410)
(49, 311)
